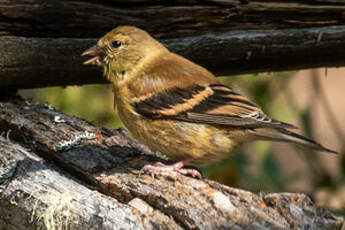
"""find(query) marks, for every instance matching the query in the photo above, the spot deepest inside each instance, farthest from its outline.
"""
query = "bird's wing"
(212, 104)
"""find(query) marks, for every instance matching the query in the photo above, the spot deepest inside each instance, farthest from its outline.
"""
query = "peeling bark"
(35, 194)
(99, 170)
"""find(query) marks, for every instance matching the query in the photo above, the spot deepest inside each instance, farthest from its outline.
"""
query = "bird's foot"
(177, 167)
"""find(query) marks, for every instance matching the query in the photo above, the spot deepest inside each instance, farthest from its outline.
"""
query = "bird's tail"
(281, 134)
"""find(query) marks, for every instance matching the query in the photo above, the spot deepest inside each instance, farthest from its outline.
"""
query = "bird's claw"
(159, 167)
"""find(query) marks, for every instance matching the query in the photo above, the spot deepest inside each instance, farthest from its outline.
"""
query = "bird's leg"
(159, 167)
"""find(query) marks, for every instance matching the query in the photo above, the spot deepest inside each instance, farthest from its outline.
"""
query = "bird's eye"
(116, 43)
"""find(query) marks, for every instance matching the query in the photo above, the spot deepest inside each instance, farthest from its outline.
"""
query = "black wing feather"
(153, 107)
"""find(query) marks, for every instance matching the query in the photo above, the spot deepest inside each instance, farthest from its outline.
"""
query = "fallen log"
(64, 171)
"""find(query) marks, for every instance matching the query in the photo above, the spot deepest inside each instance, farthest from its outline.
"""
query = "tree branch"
(164, 19)
(41, 41)
(109, 161)
(41, 62)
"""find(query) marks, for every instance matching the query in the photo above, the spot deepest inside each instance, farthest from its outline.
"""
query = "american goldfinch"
(177, 107)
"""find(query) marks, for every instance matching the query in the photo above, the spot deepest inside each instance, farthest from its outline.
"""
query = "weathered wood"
(169, 19)
(35, 194)
(41, 62)
(110, 161)
(44, 50)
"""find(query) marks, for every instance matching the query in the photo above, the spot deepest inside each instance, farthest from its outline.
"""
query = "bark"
(62, 170)
(41, 40)
(35, 194)
(57, 62)
(164, 19)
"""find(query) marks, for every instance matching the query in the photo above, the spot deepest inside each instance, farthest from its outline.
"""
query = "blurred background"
(311, 99)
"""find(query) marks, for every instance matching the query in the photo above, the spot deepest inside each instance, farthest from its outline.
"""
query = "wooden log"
(42, 62)
(35, 194)
(109, 161)
(40, 46)
(164, 19)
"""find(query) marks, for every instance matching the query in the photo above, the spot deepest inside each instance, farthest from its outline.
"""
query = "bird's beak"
(98, 54)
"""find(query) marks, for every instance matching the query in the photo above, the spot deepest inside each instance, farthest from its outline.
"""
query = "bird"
(179, 108)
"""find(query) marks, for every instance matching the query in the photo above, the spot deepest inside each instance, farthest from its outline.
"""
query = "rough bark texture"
(59, 170)
(176, 18)
(35, 194)
(40, 41)
(39, 62)
(62, 172)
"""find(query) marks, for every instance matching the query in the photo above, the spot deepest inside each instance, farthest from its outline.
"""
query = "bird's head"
(121, 50)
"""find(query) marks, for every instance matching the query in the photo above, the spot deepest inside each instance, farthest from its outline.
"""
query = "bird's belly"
(201, 143)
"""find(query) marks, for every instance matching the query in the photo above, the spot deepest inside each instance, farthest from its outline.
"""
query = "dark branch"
(41, 62)
(164, 19)
(39, 45)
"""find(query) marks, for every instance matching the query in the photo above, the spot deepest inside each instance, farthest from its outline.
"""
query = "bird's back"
(166, 71)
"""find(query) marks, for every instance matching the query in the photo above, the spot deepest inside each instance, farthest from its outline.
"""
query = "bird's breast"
(203, 144)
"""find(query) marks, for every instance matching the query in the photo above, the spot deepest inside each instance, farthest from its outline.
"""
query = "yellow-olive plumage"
(177, 107)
